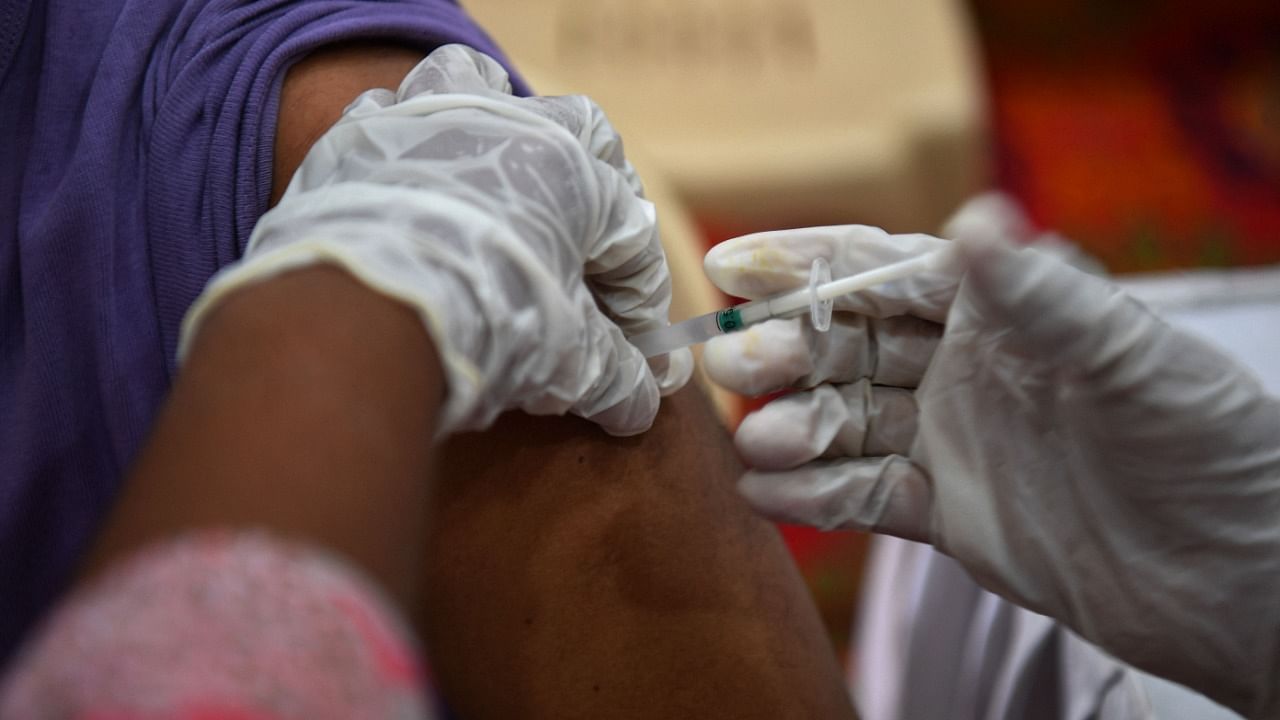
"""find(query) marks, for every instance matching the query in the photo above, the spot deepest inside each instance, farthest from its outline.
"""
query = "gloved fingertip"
(755, 266)
(792, 430)
(717, 355)
(672, 371)
(634, 414)
(760, 359)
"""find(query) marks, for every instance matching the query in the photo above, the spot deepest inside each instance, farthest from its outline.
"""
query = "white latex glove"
(1072, 451)
(514, 226)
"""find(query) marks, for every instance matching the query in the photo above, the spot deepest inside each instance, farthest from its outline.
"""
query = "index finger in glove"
(627, 273)
(764, 264)
(623, 255)
(624, 262)
(625, 251)
(623, 400)
(625, 266)
(789, 353)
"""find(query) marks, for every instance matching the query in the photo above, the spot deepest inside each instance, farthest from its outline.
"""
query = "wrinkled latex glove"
(514, 226)
(1076, 454)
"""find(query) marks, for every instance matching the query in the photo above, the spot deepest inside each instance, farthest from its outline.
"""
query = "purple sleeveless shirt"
(135, 157)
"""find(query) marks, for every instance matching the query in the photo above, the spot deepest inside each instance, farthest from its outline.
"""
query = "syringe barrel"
(682, 334)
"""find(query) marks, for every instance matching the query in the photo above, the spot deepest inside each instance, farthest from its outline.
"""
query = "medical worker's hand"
(1079, 456)
(515, 227)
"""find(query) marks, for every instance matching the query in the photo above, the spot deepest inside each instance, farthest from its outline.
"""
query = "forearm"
(306, 407)
(570, 574)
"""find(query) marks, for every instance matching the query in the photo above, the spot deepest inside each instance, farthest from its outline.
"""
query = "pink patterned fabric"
(221, 625)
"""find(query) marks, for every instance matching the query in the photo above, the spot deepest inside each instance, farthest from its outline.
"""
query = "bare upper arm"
(569, 574)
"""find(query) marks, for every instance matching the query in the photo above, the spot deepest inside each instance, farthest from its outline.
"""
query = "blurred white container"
(769, 112)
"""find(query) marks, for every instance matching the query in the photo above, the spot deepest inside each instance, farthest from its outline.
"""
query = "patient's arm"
(570, 574)
(576, 575)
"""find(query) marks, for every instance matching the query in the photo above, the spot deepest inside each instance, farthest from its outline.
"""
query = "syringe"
(818, 298)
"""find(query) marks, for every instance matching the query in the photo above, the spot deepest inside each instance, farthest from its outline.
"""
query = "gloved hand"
(514, 226)
(1076, 454)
